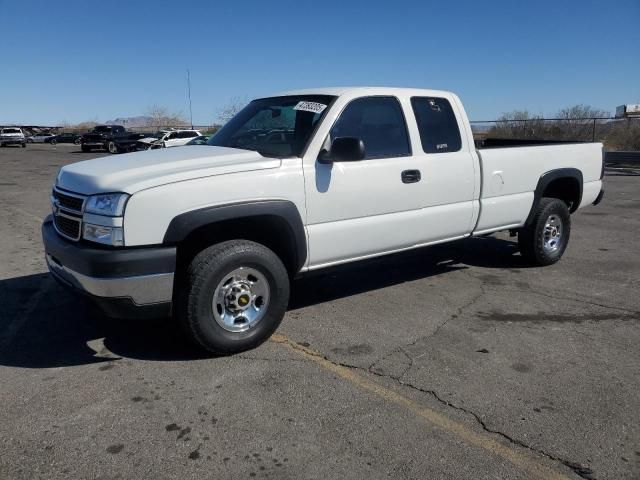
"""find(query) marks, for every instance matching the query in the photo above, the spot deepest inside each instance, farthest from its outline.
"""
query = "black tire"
(53, 142)
(206, 272)
(86, 149)
(531, 238)
(24, 145)
(112, 147)
(77, 141)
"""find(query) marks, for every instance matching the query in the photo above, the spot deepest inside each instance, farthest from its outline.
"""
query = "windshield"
(102, 129)
(11, 130)
(274, 127)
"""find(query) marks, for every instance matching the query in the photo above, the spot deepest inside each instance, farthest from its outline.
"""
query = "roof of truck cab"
(338, 91)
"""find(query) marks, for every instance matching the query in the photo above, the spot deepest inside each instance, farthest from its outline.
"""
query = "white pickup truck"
(297, 182)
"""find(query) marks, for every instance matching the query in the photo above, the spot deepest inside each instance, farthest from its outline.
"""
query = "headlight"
(110, 204)
(102, 234)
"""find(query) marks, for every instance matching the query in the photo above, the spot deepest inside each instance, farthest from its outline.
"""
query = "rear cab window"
(437, 124)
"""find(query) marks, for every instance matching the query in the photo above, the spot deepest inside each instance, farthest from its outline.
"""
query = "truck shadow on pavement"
(44, 326)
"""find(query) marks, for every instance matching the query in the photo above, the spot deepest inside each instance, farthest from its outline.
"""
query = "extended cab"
(298, 182)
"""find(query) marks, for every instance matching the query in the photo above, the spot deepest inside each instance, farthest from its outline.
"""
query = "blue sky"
(81, 60)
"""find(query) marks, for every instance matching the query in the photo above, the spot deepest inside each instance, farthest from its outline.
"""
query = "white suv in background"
(12, 136)
(172, 138)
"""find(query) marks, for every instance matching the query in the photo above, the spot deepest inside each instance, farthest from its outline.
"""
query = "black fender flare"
(545, 180)
(185, 223)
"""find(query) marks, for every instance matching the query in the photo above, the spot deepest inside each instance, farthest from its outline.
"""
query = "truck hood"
(132, 172)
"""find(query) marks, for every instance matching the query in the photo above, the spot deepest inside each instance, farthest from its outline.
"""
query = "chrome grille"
(67, 213)
(70, 202)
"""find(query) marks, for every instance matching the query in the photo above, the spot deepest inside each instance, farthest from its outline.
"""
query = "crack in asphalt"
(457, 314)
(577, 468)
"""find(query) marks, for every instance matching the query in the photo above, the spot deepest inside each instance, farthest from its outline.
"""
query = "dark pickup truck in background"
(113, 138)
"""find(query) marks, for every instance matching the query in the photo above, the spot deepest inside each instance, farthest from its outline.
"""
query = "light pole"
(189, 90)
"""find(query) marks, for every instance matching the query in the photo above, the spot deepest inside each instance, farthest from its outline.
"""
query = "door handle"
(410, 176)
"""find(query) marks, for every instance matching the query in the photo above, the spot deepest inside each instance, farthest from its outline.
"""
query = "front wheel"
(234, 296)
(112, 147)
(545, 239)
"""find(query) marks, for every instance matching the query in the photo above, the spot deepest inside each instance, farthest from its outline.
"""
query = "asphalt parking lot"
(456, 361)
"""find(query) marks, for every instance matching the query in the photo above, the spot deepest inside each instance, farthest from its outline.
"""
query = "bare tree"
(84, 126)
(581, 112)
(578, 122)
(157, 114)
(160, 117)
(517, 124)
(229, 111)
(571, 123)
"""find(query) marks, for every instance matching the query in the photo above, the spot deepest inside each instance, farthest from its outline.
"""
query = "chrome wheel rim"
(241, 299)
(552, 234)
(112, 147)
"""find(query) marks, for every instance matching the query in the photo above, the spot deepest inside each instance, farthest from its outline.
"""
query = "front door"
(362, 208)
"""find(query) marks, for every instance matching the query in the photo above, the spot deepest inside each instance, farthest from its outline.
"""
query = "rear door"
(448, 168)
(362, 208)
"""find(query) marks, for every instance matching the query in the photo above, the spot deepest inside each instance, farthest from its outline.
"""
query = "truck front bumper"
(127, 283)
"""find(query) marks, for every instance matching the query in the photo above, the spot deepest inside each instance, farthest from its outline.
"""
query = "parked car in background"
(170, 138)
(112, 138)
(40, 137)
(67, 138)
(201, 140)
(12, 136)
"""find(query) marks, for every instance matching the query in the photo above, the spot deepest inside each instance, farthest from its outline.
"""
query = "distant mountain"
(131, 122)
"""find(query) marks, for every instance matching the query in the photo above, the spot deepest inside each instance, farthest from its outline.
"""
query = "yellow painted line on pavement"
(518, 457)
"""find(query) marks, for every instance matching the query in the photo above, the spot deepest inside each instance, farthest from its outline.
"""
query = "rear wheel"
(234, 296)
(545, 239)
(24, 145)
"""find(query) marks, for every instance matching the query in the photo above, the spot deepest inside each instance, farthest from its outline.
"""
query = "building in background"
(631, 110)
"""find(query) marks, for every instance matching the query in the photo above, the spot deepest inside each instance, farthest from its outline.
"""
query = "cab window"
(379, 123)
(437, 124)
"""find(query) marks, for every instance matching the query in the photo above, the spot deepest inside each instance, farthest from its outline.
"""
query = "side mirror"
(344, 149)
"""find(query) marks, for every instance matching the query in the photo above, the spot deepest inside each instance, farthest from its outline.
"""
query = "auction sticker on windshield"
(313, 107)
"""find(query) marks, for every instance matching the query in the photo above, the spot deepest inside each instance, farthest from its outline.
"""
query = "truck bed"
(510, 175)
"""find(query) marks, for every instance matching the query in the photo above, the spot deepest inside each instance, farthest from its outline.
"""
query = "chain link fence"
(617, 134)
